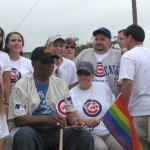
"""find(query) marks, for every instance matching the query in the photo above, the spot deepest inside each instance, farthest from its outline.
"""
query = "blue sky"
(69, 18)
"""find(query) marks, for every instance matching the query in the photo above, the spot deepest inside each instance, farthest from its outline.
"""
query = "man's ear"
(130, 37)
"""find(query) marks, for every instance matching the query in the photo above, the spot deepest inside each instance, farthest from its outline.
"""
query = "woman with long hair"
(20, 66)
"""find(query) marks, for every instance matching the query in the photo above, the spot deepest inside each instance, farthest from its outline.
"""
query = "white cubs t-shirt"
(66, 71)
(93, 103)
(19, 69)
(99, 72)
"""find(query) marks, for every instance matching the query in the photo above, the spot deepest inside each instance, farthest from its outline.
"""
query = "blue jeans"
(27, 138)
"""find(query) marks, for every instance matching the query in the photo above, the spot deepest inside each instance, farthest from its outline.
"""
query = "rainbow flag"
(119, 123)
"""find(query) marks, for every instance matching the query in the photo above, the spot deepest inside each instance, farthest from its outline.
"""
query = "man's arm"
(30, 120)
(73, 120)
(126, 89)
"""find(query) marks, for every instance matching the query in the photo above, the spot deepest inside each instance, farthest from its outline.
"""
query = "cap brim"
(58, 39)
(99, 32)
(84, 68)
(49, 57)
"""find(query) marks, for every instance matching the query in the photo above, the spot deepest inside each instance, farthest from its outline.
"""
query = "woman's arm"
(7, 85)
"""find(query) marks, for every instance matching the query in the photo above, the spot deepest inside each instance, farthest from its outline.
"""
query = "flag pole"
(148, 133)
(61, 140)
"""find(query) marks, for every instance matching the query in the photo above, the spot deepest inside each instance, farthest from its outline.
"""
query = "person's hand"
(58, 121)
(78, 125)
(91, 123)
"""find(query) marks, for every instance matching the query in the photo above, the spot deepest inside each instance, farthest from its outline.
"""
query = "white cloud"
(70, 17)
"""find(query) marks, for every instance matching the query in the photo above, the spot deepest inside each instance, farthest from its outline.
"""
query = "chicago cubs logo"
(92, 108)
(99, 70)
(60, 106)
(15, 75)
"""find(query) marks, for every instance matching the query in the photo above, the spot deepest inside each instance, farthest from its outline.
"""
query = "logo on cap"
(46, 51)
(83, 63)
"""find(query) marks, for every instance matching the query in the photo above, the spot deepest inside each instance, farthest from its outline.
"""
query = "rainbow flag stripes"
(119, 123)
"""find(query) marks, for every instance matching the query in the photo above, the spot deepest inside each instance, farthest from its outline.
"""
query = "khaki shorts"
(142, 124)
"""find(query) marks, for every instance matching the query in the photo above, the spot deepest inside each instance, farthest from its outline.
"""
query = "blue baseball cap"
(102, 30)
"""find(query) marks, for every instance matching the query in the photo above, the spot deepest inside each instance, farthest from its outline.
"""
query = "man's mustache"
(99, 44)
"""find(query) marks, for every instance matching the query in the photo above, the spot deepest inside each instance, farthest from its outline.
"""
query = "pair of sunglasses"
(47, 61)
(72, 47)
(83, 72)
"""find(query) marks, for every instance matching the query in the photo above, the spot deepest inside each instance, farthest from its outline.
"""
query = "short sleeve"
(68, 103)
(127, 68)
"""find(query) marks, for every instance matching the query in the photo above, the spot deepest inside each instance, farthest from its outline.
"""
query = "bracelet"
(74, 120)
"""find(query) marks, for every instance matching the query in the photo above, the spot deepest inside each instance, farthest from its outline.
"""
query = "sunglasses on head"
(83, 72)
(47, 61)
(72, 47)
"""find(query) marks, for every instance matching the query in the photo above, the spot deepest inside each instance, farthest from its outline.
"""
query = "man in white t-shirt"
(135, 77)
(104, 59)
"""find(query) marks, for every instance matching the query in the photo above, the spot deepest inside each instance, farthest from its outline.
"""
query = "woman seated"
(91, 101)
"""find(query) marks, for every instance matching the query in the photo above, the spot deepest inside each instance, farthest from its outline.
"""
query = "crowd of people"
(58, 90)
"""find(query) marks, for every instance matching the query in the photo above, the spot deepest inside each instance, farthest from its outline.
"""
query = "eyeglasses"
(47, 61)
(72, 47)
(83, 72)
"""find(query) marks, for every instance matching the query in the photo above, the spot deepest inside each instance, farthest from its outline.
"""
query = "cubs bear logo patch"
(60, 106)
(99, 70)
(92, 108)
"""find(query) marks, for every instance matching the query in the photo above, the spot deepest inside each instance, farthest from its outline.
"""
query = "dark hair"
(120, 31)
(6, 49)
(136, 32)
(70, 41)
(2, 35)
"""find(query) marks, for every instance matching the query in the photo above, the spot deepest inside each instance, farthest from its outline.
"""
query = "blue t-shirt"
(43, 109)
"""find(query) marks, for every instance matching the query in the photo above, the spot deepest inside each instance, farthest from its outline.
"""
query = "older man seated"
(39, 108)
